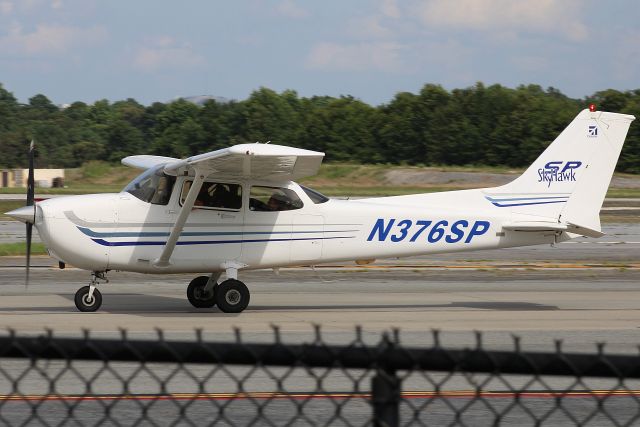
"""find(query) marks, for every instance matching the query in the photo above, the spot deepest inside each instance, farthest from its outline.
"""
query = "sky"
(158, 50)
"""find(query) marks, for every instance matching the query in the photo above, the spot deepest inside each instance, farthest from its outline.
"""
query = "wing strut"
(163, 261)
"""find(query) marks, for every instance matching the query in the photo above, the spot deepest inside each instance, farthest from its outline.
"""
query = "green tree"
(480, 124)
(43, 103)
(8, 109)
(269, 116)
(123, 139)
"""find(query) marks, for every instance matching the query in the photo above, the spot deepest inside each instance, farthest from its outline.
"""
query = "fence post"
(385, 391)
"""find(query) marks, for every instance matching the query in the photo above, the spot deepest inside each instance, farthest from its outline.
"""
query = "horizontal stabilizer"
(585, 231)
(534, 226)
(548, 226)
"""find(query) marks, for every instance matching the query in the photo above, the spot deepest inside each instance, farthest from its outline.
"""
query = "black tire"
(232, 296)
(82, 299)
(196, 296)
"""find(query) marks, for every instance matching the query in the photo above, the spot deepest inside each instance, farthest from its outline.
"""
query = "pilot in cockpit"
(218, 195)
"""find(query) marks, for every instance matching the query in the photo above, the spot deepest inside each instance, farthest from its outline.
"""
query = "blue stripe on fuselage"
(214, 242)
(526, 201)
(96, 234)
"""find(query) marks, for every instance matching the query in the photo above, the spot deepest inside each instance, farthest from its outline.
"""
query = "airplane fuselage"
(121, 232)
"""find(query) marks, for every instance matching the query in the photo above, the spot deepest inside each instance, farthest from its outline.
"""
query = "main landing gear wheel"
(232, 296)
(86, 303)
(198, 296)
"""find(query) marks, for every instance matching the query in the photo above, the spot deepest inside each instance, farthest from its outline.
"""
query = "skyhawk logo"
(593, 131)
(552, 171)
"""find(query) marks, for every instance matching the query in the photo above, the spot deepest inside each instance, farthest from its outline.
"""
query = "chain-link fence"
(87, 381)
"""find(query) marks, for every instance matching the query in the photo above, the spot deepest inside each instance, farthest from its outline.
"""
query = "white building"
(44, 178)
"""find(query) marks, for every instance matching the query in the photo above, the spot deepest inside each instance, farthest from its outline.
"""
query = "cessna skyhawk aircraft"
(238, 208)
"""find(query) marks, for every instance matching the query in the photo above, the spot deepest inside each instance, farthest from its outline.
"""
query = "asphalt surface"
(581, 293)
(542, 292)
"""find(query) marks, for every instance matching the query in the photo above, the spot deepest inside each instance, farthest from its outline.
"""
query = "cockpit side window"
(153, 186)
(273, 199)
(215, 195)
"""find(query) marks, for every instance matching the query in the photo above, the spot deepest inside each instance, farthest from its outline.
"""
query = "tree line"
(479, 125)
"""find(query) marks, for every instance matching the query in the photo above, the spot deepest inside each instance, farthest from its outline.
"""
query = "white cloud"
(383, 56)
(164, 52)
(369, 27)
(291, 9)
(56, 4)
(390, 9)
(542, 16)
(626, 57)
(531, 63)
(49, 39)
(30, 6)
(6, 7)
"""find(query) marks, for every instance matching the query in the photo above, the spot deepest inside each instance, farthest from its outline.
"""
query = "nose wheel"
(88, 299)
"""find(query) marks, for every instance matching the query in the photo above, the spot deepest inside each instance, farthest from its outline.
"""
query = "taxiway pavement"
(581, 292)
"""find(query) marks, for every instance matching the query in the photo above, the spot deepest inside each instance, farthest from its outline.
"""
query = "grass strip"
(9, 205)
(20, 248)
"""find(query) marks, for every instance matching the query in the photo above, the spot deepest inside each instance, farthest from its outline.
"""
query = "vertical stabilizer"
(569, 181)
(584, 205)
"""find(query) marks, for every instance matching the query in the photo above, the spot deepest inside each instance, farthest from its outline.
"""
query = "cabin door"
(306, 242)
(214, 229)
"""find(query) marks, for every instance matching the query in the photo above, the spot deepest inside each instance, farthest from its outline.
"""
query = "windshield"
(153, 186)
(315, 196)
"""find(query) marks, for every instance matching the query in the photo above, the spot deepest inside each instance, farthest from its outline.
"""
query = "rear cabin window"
(153, 186)
(273, 199)
(215, 195)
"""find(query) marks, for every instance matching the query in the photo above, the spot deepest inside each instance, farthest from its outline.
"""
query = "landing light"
(592, 108)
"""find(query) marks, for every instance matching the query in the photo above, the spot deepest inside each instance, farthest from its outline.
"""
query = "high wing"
(252, 161)
(243, 161)
(146, 162)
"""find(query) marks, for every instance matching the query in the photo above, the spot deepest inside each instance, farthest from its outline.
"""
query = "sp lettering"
(558, 171)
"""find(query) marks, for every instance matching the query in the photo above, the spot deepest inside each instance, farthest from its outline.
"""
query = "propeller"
(30, 202)
(27, 214)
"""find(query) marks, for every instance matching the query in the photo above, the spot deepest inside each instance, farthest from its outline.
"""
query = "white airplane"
(238, 209)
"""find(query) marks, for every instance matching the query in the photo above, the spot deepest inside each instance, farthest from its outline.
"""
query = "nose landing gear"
(89, 298)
